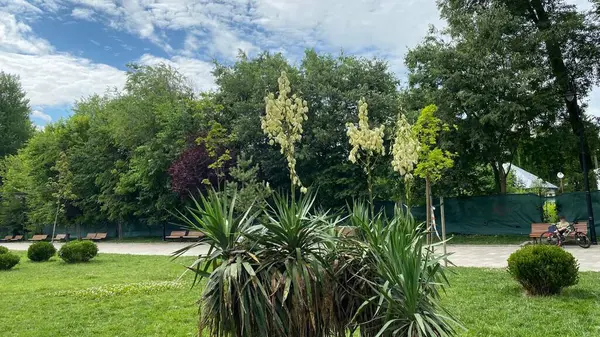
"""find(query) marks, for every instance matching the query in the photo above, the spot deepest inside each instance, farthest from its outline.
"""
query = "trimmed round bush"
(41, 251)
(78, 251)
(8, 260)
(3, 250)
(543, 269)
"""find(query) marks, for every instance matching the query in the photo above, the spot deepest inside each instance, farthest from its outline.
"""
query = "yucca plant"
(353, 271)
(292, 246)
(410, 278)
(233, 302)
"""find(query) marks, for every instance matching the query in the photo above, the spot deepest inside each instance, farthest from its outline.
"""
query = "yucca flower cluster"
(405, 150)
(282, 123)
(363, 138)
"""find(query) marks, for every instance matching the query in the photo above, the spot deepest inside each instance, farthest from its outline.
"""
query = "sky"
(66, 50)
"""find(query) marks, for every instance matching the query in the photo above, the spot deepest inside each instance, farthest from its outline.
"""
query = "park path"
(487, 256)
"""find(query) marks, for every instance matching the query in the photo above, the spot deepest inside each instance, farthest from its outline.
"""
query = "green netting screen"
(504, 214)
(485, 215)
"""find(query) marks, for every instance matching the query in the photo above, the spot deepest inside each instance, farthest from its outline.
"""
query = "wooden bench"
(17, 238)
(176, 235)
(61, 237)
(99, 237)
(39, 237)
(537, 229)
(89, 236)
(193, 235)
(580, 227)
(7, 238)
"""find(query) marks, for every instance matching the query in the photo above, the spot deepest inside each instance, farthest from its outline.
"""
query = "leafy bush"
(3, 250)
(78, 251)
(550, 212)
(41, 251)
(543, 269)
(8, 260)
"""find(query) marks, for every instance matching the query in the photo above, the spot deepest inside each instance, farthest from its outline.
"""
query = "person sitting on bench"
(561, 226)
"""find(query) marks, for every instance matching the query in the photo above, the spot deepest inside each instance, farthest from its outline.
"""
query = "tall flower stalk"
(366, 145)
(405, 152)
(282, 124)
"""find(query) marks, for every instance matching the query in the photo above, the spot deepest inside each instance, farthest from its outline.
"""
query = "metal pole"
(586, 182)
(443, 229)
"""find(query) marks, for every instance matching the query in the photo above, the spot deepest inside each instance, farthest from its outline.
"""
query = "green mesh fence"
(510, 214)
(486, 215)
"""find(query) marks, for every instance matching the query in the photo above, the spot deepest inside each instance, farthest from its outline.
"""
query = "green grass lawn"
(456, 239)
(488, 302)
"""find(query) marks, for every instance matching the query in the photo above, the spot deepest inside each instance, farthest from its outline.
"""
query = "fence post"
(443, 229)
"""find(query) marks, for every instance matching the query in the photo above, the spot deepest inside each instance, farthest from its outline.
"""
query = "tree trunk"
(120, 230)
(500, 177)
(428, 209)
(496, 177)
(563, 77)
(503, 177)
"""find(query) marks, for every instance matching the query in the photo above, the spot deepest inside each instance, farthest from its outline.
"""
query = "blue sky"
(65, 50)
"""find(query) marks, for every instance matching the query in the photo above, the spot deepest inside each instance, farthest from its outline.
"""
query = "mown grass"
(459, 239)
(490, 303)
(487, 301)
(30, 306)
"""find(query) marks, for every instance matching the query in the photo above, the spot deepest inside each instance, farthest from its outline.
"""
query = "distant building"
(530, 181)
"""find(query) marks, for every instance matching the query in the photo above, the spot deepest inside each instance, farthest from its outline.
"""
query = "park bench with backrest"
(61, 237)
(537, 229)
(17, 238)
(89, 236)
(99, 237)
(39, 237)
(7, 238)
(193, 235)
(176, 235)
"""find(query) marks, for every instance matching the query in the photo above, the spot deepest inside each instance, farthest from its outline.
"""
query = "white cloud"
(40, 127)
(18, 37)
(83, 13)
(60, 79)
(41, 115)
(199, 72)
(22, 7)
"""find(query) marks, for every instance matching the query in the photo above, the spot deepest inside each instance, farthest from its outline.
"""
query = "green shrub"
(543, 269)
(3, 250)
(78, 251)
(550, 212)
(41, 251)
(8, 260)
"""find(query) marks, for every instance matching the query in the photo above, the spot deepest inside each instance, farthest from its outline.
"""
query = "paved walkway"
(153, 248)
(495, 256)
(489, 256)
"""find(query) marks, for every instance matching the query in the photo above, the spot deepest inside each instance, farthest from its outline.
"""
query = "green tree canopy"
(15, 126)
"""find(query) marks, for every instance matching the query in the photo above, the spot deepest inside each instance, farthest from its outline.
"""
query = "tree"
(15, 126)
(433, 161)
(567, 40)
(62, 187)
(13, 205)
(332, 86)
(481, 74)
